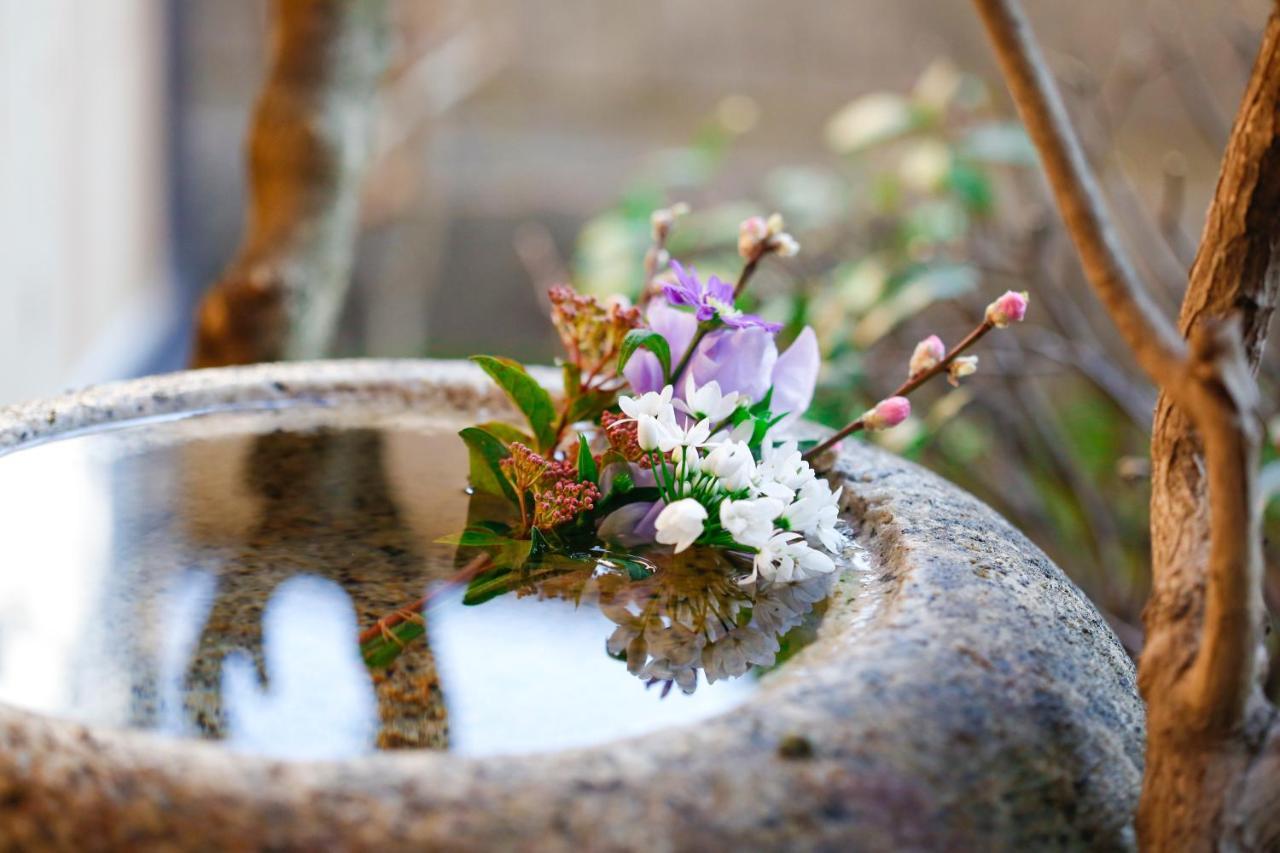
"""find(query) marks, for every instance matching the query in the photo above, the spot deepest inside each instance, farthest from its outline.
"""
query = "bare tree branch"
(308, 149)
(1152, 338)
(1218, 685)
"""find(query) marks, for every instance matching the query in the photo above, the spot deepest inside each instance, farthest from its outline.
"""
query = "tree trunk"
(308, 148)
(1197, 772)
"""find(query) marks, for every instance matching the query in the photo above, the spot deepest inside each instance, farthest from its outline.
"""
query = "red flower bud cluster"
(558, 496)
(563, 502)
(592, 333)
(623, 437)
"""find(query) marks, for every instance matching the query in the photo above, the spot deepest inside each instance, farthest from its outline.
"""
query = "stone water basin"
(193, 560)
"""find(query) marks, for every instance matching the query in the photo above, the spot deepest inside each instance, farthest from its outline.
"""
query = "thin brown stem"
(748, 270)
(913, 382)
(404, 614)
(1150, 335)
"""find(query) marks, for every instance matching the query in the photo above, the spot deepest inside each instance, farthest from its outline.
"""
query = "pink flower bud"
(662, 219)
(927, 354)
(751, 236)
(887, 413)
(1010, 308)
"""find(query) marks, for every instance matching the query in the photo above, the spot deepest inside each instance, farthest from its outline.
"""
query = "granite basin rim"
(979, 698)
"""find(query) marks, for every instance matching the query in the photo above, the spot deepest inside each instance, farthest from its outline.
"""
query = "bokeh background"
(521, 144)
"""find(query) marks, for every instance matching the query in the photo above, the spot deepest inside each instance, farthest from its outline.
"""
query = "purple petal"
(640, 477)
(751, 321)
(678, 294)
(632, 524)
(721, 290)
(704, 313)
(795, 375)
(643, 371)
(688, 279)
(740, 360)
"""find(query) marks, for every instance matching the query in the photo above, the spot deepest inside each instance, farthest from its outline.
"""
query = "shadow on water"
(325, 510)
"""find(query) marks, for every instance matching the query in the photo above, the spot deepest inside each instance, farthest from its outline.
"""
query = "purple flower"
(711, 300)
(794, 376)
(631, 525)
(742, 360)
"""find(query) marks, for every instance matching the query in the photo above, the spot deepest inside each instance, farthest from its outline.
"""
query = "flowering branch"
(657, 257)
(384, 628)
(757, 237)
(929, 360)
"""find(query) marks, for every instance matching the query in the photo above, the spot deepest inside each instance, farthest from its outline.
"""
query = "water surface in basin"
(225, 576)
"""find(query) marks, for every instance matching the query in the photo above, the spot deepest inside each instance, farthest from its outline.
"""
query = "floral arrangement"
(674, 427)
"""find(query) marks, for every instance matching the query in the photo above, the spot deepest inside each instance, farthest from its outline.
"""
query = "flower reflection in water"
(681, 614)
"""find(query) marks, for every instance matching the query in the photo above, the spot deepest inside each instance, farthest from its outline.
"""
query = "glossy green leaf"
(476, 537)
(505, 550)
(586, 462)
(530, 397)
(646, 339)
(487, 585)
(506, 432)
(486, 452)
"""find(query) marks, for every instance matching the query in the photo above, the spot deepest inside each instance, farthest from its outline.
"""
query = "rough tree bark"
(1206, 775)
(309, 144)
(1212, 779)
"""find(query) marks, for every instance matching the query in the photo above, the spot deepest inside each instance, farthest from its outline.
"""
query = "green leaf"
(970, 186)
(530, 397)
(486, 452)
(636, 570)
(589, 406)
(572, 380)
(762, 407)
(382, 650)
(506, 432)
(505, 551)
(650, 340)
(475, 537)
(538, 543)
(487, 585)
(586, 462)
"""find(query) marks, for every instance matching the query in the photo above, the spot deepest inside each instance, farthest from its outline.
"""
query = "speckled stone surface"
(967, 698)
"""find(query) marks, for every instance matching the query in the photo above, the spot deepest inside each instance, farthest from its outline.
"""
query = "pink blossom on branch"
(887, 413)
(926, 356)
(1009, 308)
(758, 236)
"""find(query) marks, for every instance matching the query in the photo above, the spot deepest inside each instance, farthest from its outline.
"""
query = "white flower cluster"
(717, 493)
